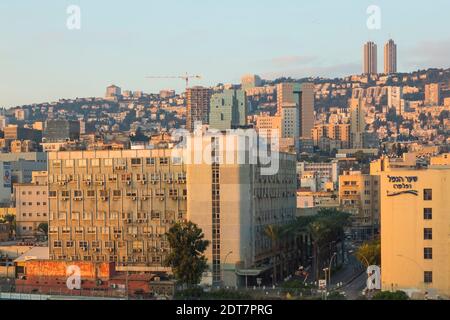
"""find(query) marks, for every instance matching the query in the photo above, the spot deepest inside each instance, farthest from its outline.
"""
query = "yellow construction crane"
(185, 77)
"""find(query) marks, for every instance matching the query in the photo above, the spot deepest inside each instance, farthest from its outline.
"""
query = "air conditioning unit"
(100, 183)
(161, 198)
(144, 198)
(88, 183)
(83, 249)
(143, 182)
(104, 198)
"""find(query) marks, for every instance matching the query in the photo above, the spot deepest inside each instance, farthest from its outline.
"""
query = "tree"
(370, 251)
(11, 221)
(325, 229)
(274, 234)
(386, 295)
(187, 258)
(43, 227)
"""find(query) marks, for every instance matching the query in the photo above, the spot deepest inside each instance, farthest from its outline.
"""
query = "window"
(117, 193)
(428, 214)
(428, 253)
(91, 193)
(135, 161)
(163, 161)
(428, 234)
(428, 194)
(150, 161)
(428, 277)
(52, 194)
(57, 244)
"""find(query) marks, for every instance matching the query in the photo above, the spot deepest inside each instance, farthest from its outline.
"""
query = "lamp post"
(329, 269)
(223, 266)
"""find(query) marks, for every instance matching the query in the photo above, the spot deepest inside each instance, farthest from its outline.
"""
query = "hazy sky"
(121, 42)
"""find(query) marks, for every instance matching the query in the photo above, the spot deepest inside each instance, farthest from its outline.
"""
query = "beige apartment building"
(359, 195)
(336, 132)
(415, 239)
(31, 201)
(117, 206)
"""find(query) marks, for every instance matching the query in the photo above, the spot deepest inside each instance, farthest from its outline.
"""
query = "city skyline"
(78, 63)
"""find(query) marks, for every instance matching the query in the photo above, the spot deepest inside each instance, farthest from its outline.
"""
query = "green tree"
(43, 227)
(187, 258)
(386, 295)
(11, 221)
(274, 234)
(370, 251)
(325, 229)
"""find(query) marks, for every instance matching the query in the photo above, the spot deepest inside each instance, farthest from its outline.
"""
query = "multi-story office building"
(390, 57)
(250, 81)
(113, 92)
(61, 130)
(303, 96)
(290, 126)
(359, 195)
(228, 110)
(395, 99)
(243, 201)
(357, 122)
(31, 201)
(325, 171)
(23, 164)
(433, 94)
(14, 132)
(338, 132)
(117, 206)
(414, 231)
(370, 58)
(198, 103)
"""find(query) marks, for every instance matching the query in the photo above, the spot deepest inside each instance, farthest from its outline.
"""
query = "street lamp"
(329, 269)
(362, 256)
(223, 266)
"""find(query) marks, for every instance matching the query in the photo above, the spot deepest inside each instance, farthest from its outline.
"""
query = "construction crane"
(185, 77)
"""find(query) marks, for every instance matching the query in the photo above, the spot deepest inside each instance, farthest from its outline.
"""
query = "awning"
(253, 272)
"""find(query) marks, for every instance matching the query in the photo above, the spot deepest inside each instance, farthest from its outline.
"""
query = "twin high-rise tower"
(371, 59)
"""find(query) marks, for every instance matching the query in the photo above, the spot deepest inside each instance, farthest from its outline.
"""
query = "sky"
(122, 42)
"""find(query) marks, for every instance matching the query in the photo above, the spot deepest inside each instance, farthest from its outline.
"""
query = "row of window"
(31, 193)
(38, 214)
(83, 163)
(31, 203)
(118, 193)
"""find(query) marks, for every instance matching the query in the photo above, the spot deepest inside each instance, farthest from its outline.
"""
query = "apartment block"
(31, 202)
(359, 195)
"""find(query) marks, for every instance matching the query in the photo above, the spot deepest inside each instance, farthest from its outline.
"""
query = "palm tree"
(273, 233)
